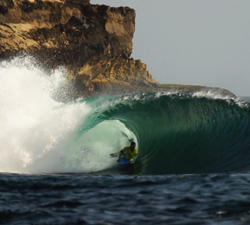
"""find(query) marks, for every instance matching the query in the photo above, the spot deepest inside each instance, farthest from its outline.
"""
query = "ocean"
(55, 164)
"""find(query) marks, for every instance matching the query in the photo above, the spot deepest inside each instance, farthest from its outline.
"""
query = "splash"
(35, 128)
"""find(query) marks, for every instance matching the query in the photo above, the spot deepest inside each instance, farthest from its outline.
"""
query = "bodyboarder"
(129, 153)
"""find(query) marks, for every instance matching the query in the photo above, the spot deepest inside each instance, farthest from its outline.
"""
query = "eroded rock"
(93, 42)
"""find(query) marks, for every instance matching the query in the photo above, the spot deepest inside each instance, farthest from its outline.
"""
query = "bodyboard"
(124, 161)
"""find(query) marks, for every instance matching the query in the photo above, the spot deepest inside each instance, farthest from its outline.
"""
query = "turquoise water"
(181, 134)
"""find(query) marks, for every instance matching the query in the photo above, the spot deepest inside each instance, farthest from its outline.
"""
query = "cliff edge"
(93, 42)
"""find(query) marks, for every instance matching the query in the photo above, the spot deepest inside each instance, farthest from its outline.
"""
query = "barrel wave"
(175, 133)
(184, 133)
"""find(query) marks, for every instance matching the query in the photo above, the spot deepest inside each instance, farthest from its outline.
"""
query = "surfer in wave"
(128, 154)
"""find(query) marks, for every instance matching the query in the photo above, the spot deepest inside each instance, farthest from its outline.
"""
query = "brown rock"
(94, 42)
(113, 75)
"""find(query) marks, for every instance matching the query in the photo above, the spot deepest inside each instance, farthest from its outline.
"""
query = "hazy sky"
(201, 42)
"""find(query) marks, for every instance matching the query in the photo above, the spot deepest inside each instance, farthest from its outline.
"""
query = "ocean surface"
(193, 165)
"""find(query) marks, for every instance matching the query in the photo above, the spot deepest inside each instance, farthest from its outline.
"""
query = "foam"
(33, 123)
(40, 134)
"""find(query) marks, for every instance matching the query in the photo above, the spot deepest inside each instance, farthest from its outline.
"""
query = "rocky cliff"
(93, 42)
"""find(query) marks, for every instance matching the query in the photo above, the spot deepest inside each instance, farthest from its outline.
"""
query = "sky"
(195, 42)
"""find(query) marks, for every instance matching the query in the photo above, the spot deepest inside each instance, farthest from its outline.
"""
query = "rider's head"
(132, 145)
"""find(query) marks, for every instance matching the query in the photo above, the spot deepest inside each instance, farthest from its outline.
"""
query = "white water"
(39, 134)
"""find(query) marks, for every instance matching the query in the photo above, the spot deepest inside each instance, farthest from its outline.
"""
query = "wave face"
(186, 134)
(198, 133)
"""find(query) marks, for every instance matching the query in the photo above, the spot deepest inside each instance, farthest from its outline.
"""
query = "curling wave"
(184, 134)
(175, 133)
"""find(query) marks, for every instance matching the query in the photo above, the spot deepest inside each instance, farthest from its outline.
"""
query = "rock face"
(93, 42)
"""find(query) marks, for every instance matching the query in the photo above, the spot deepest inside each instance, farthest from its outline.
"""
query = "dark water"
(123, 199)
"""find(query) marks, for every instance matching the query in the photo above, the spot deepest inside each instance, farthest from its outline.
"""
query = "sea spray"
(39, 134)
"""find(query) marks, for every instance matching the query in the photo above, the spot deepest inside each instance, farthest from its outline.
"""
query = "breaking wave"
(175, 133)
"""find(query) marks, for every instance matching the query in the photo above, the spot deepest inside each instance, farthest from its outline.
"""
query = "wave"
(175, 133)
(185, 134)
